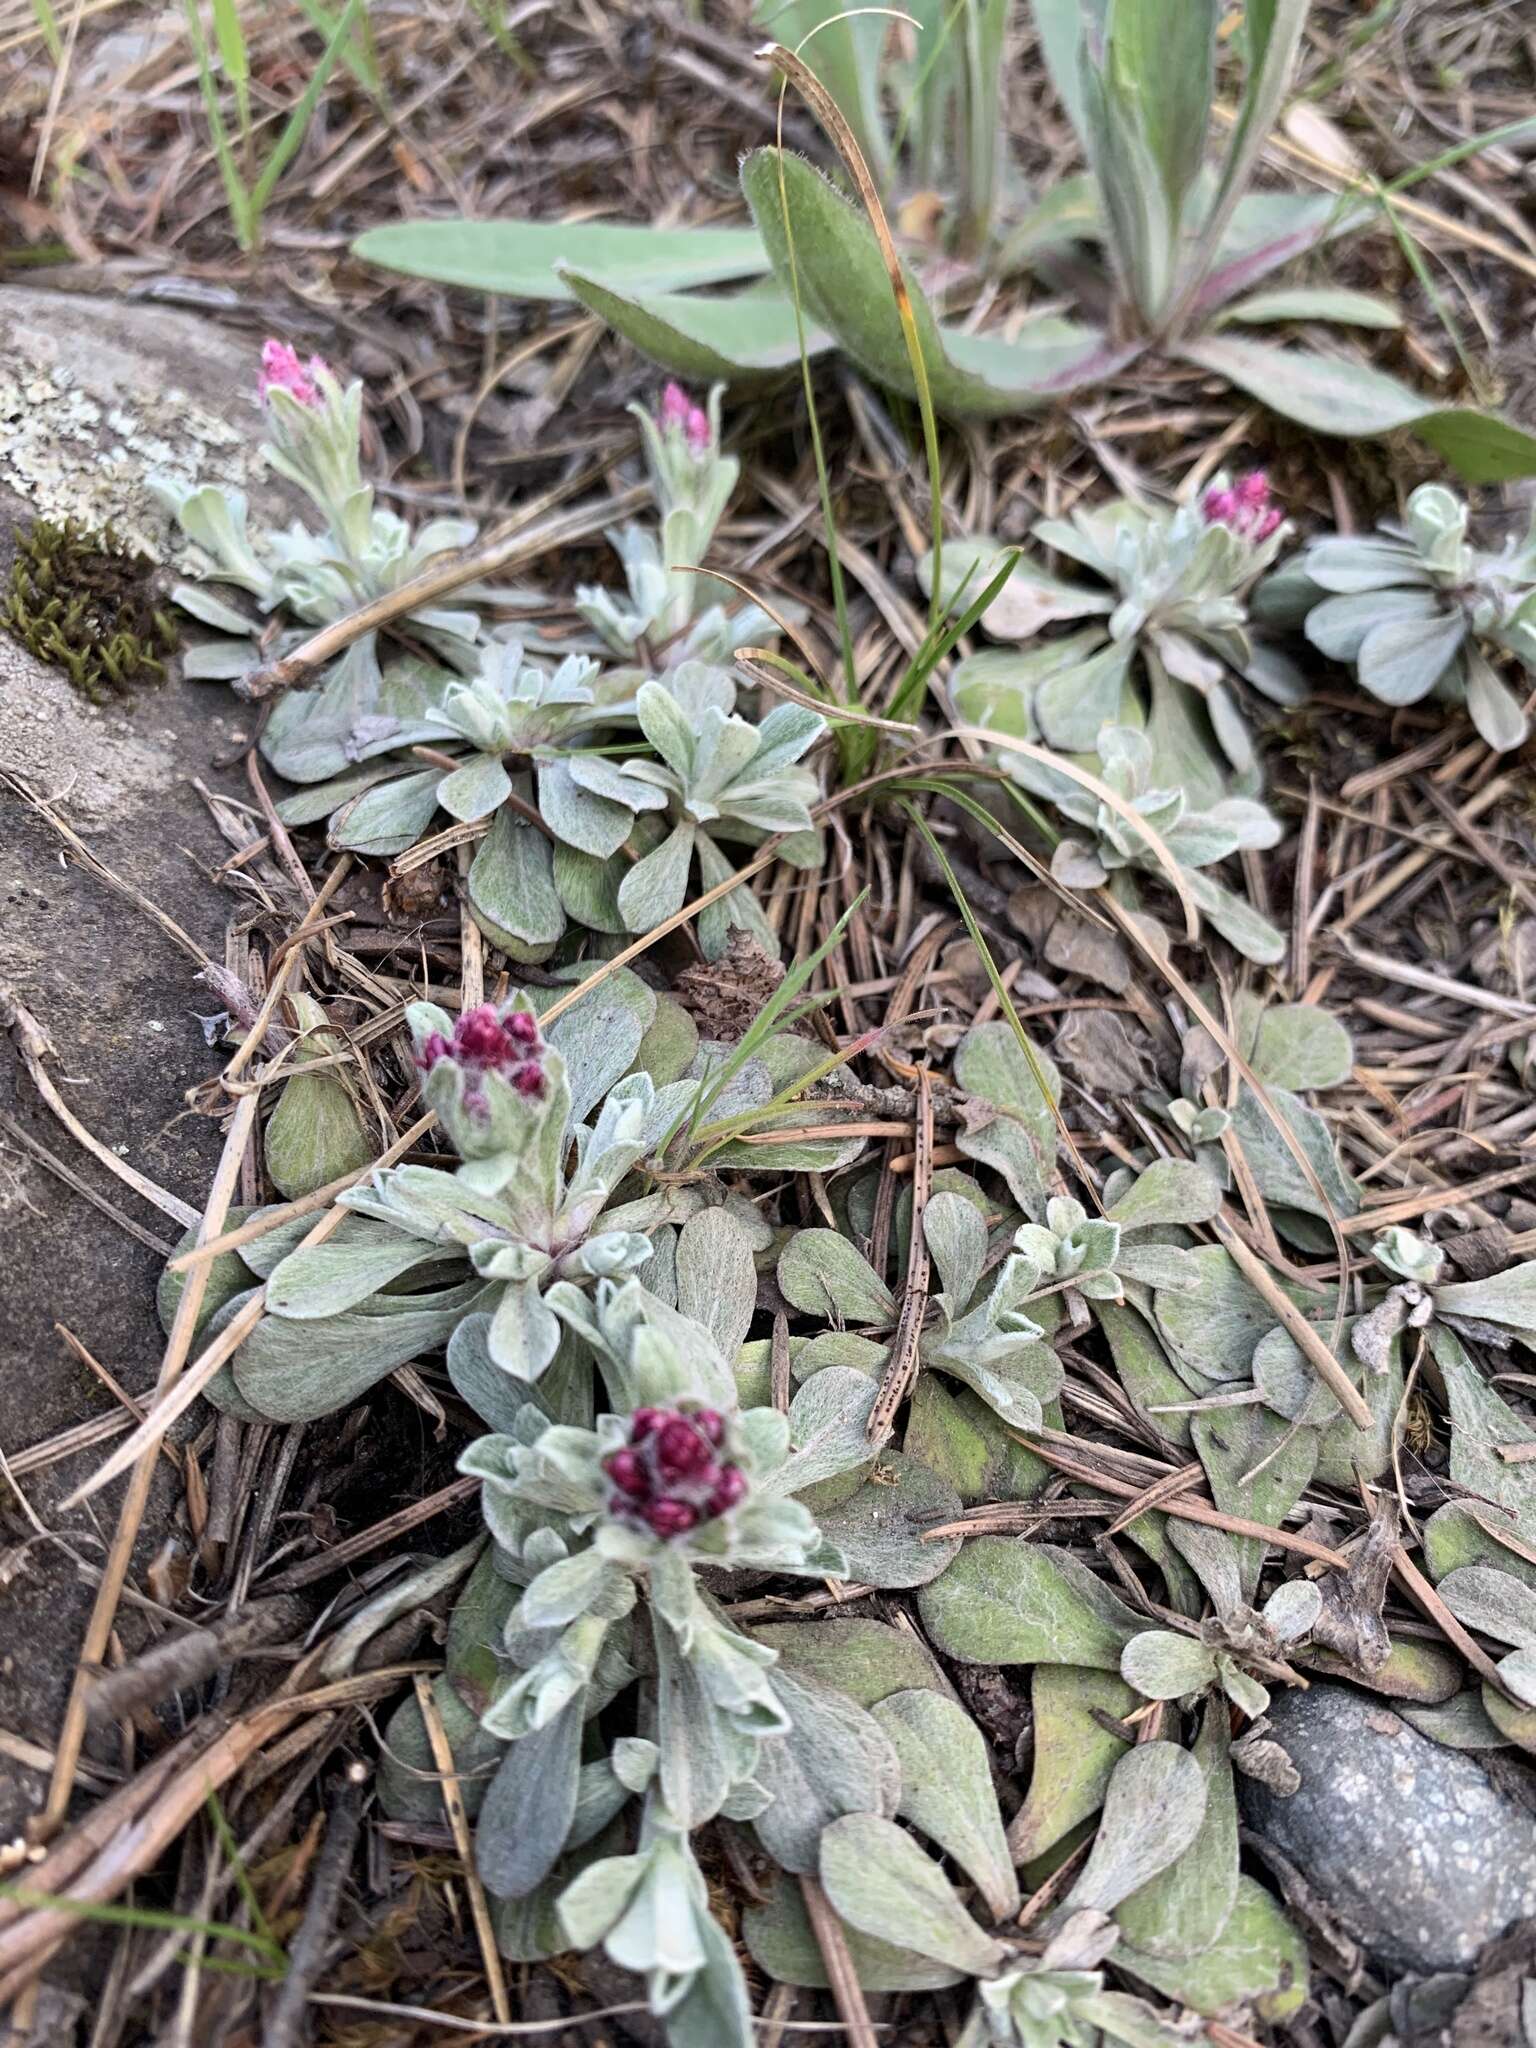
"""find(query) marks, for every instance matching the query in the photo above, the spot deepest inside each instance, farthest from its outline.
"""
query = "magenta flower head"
(1247, 507)
(483, 1071)
(675, 1472)
(679, 419)
(281, 370)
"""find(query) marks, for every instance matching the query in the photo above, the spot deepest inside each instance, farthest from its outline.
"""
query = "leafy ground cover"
(907, 1040)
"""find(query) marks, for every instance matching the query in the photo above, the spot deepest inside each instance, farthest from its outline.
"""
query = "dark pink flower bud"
(681, 1451)
(697, 431)
(712, 1422)
(676, 405)
(670, 1517)
(524, 1027)
(645, 1422)
(628, 1474)
(729, 1489)
(529, 1079)
(281, 370)
(1246, 507)
(434, 1047)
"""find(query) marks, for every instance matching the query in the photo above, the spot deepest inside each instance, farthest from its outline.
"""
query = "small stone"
(1408, 1843)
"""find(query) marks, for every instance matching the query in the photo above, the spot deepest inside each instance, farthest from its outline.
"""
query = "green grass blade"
(48, 22)
(298, 121)
(235, 190)
(235, 57)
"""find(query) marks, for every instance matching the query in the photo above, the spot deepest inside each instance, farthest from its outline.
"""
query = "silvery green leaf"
(1288, 1382)
(656, 887)
(481, 786)
(1073, 705)
(1074, 1753)
(1300, 1046)
(1152, 1813)
(529, 1806)
(1495, 1603)
(1517, 1672)
(835, 1759)
(292, 1372)
(716, 1279)
(1508, 1298)
(880, 1530)
(1259, 1962)
(217, 661)
(524, 1334)
(827, 1430)
(1213, 1557)
(1460, 1722)
(954, 1432)
(1216, 1329)
(1338, 626)
(387, 818)
(599, 1036)
(578, 817)
(1258, 1467)
(715, 2011)
(1019, 1142)
(780, 1941)
(318, 1131)
(1494, 708)
(1278, 1176)
(946, 1790)
(325, 1279)
(1481, 1422)
(1006, 1601)
(823, 1274)
(1164, 1266)
(1182, 1911)
(409, 1778)
(1167, 1191)
(511, 889)
(1237, 921)
(1031, 598)
(701, 1753)
(879, 1881)
(956, 1236)
(865, 1659)
(1402, 660)
(564, 1590)
(1291, 1611)
(589, 888)
(1164, 1666)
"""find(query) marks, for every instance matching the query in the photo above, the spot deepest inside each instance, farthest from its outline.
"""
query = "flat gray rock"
(1413, 1848)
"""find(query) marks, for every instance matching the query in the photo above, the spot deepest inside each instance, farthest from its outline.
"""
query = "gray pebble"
(1418, 1855)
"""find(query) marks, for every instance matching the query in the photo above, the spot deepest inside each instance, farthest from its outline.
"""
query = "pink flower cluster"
(281, 370)
(484, 1043)
(669, 1476)
(1248, 506)
(679, 415)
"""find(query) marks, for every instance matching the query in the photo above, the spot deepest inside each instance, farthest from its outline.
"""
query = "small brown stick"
(1430, 1604)
(307, 1951)
(191, 1383)
(842, 1978)
(51, 1164)
(339, 1555)
(131, 1513)
(902, 1366)
(471, 944)
(458, 1821)
(113, 1386)
(1174, 1504)
(502, 548)
(186, 1660)
(34, 1046)
(1295, 1325)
